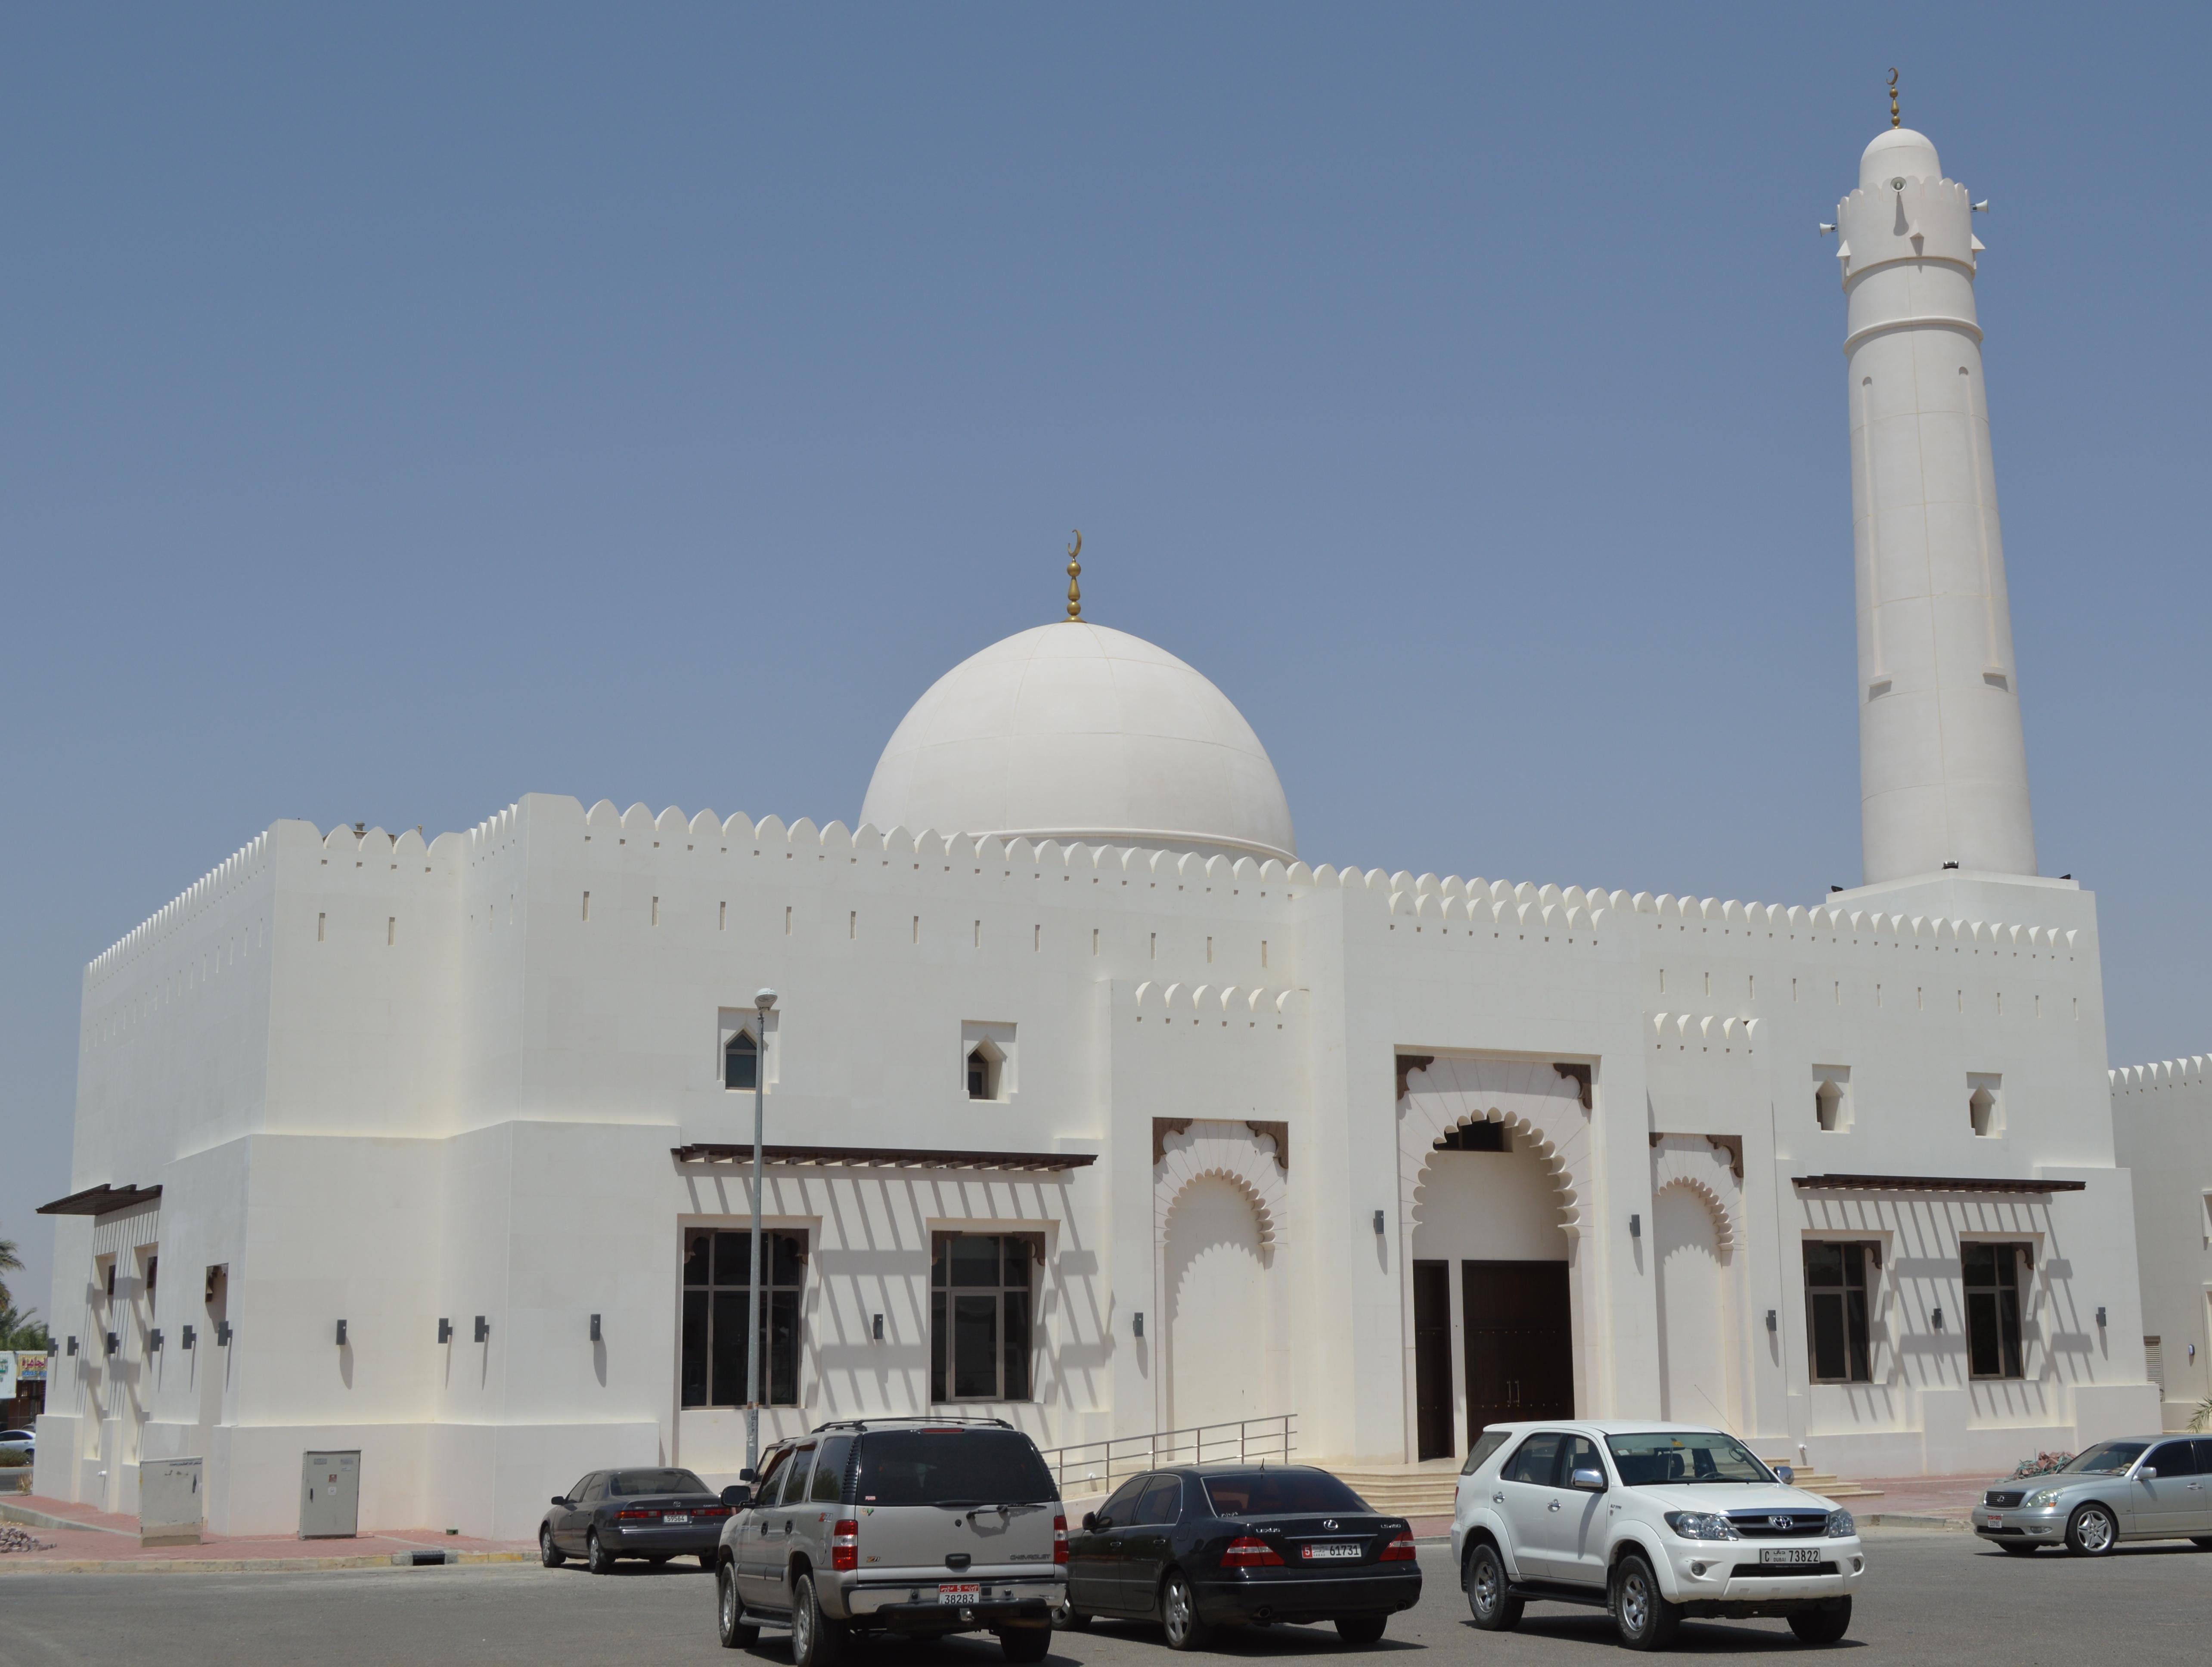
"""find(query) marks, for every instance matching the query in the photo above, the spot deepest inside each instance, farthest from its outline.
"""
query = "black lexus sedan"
(653, 1514)
(1204, 1546)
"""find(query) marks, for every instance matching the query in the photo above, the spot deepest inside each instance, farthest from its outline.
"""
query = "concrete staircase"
(1827, 1485)
(1406, 1490)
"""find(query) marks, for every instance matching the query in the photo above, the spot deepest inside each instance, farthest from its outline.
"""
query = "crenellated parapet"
(2190, 1072)
(241, 868)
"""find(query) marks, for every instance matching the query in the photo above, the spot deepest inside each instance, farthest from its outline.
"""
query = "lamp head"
(763, 999)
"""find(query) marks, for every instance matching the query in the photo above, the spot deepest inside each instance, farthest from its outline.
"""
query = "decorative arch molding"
(1707, 1166)
(1540, 1102)
(1226, 1150)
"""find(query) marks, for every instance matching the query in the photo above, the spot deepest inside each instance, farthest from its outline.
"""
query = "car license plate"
(677, 1518)
(1315, 1554)
(1788, 1553)
(1996, 1522)
(963, 1594)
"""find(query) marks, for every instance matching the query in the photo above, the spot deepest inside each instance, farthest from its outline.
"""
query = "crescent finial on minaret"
(1074, 573)
(1895, 120)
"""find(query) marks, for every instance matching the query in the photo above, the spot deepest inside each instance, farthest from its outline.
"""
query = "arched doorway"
(1696, 1308)
(1217, 1341)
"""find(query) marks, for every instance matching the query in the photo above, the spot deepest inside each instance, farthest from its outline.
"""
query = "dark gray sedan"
(654, 1514)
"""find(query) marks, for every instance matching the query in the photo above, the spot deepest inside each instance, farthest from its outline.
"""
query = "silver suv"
(920, 1527)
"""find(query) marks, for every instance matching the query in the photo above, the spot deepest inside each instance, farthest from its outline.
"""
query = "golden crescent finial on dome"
(1075, 572)
(1895, 120)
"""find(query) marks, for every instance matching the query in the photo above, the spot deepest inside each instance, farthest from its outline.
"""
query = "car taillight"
(1060, 1539)
(1399, 1550)
(701, 1512)
(1247, 1552)
(637, 1516)
(845, 1545)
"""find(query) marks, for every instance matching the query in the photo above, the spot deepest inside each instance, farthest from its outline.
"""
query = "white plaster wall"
(2162, 1135)
(1487, 1207)
(1697, 1310)
(1216, 1328)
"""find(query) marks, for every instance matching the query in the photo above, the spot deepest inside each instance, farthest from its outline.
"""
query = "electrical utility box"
(170, 1503)
(329, 1496)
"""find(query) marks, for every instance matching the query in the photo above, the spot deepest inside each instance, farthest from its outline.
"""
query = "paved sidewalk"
(1952, 1498)
(82, 1540)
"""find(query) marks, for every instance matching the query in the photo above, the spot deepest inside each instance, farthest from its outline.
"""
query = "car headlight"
(1841, 1525)
(1702, 1525)
(2041, 1496)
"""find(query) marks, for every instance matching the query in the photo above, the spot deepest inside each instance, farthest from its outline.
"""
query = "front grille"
(2004, 1498)
(1780, 1571)
(2004, 1530)
(1780, 1524)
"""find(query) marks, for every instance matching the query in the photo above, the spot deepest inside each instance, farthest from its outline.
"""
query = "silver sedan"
(2158, 1487)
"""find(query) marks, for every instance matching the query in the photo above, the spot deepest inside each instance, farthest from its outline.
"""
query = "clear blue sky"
(408, 408)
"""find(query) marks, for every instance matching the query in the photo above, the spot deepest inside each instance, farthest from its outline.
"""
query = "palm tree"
(24, 1331)
(2204, 1414)
(9, 1263)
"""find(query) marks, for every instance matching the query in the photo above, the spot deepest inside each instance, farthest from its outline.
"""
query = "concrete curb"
(258, 1565)
(1905, 1519)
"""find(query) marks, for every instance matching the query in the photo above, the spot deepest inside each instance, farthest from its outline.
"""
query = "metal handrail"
(1100, 1466)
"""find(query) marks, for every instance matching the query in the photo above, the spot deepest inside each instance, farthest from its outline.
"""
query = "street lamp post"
(762, 1002)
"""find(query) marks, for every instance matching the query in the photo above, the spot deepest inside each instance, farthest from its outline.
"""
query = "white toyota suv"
(1652, 1522)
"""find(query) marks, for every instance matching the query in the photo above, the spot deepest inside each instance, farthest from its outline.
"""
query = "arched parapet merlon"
(1538, 1099)
(1711, 1166)
(1248, 1156)
(2185, 1073)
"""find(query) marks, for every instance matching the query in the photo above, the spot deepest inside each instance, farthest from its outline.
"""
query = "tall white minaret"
(1942, 769)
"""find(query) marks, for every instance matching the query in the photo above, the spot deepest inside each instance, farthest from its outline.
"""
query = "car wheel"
(736, 1632)
(1361, 1628)
(1641, 1612)
(1179, 1615)
(2092, 1532)
(1074, 1620)
(2018, 1547)
(1824, 1625)
(815, 1639)
(597, 1557)
(1494, 1609)
(1025, 1643)
(548, 1553)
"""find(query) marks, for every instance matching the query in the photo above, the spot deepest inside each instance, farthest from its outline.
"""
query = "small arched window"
(982, 1074)
(741, 1063)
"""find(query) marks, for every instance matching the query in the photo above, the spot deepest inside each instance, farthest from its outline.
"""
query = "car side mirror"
(747, 1476)
(1589, 1481)
(738, 1497)
(1785, 1474)
(560, 1499)
(2149, 1473)
(1090, 1522)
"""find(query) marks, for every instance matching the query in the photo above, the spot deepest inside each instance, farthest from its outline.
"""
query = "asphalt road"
(1936, 1597)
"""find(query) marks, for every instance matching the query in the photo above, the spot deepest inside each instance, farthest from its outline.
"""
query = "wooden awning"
(1928, 1184)
(881, 1157)
(102, 1200)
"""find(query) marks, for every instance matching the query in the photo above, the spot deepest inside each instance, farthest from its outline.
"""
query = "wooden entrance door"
(1520, 1348)
(1432, 1379)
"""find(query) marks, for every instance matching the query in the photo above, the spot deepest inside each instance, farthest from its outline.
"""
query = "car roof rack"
(911, 1418)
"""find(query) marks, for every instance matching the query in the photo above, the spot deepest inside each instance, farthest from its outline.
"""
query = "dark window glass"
(1473, 1138)
(2204, 1456)
(637, 1484)
(577, 1491)
(1279, 1492)
(795, 1473)
(769, 1482)
(2106, 1458)
(1581, 1455)
(951, 1466)
(980, 1336)
(979, 1076)
(2173, 1458)
(596, 1491)
(1992, 1285)
(829, 1470)
(1662, 1457)
(740, 1062)
(717, 1296)
(1162, 1503)
(1122, 1507)
(1485, 1445)
(1535, 1461)
(1836, 1311)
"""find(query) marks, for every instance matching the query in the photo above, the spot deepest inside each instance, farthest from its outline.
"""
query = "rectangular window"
(1992, 1282)
(717, 1292)
(981, 1299)
(1836, 1313)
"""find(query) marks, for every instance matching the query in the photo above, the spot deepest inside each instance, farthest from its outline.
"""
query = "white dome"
(1072, 731)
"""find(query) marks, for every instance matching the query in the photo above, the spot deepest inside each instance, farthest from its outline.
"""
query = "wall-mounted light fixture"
(1772, 1323)
(1934, 1319)
(445, 1331)
(188, 1339)
(342, 1337)
(875, 1330)
(114, 1342)
(154, 1341)
(2100, 1318)
(222, 1334)
(595, 1330)
(1137, 1324)
(72, 1348)
(1378, 1224)
(483, 1329)
(1636, 1227)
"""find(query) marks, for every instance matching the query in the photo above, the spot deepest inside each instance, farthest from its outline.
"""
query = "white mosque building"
(1091, 1105)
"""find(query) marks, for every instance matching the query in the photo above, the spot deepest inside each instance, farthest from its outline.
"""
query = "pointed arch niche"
(1697, 1225)
(1219, 1197)
(1544, 1108)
